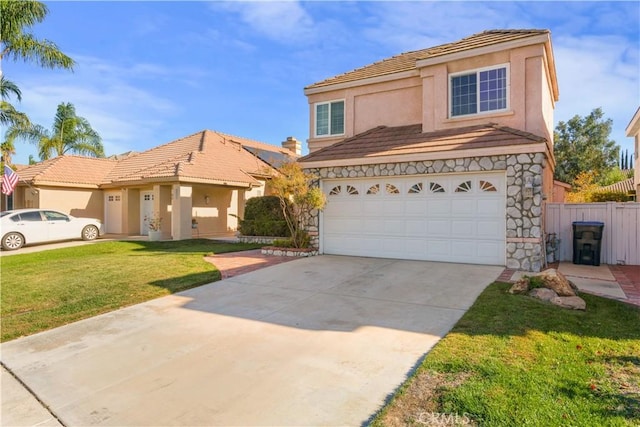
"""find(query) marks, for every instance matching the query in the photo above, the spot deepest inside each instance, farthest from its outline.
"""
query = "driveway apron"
(316, 341)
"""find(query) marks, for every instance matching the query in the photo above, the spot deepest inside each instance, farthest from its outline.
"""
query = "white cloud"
(283, 21)
(598, 71)
(120, 110)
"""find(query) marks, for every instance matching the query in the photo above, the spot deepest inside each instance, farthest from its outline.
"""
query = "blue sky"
(151, 72)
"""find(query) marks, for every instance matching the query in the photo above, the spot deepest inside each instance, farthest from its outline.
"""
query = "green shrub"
(302, 240)
(263, 217)
(609, 196)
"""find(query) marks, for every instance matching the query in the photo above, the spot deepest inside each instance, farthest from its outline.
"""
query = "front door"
(146, 211)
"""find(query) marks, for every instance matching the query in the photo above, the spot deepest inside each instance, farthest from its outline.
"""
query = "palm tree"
(9, 116)
(7, 149)
(70, 133)
(19, 16)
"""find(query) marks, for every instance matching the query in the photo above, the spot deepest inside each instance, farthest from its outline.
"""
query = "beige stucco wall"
(393, 103)
(78, 202)
(215, 217)
(425, 98)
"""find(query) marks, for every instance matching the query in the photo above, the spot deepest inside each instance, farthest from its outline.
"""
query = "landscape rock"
(520, 287)
(543, 294)
(555, 280)
(575, 303)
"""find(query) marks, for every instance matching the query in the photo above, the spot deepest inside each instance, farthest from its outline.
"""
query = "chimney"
(293, 145)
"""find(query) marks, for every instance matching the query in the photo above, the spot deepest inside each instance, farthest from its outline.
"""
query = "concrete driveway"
(316, 341)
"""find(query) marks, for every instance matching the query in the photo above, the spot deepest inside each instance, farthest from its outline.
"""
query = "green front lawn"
(51, 288)
(516, 361)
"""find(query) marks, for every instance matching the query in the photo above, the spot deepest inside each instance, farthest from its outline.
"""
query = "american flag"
(9, 180)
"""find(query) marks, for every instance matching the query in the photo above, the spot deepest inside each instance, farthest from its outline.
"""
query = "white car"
(26, 226)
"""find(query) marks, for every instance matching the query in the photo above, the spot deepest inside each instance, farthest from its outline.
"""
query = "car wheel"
(12, 241)
(90, 232)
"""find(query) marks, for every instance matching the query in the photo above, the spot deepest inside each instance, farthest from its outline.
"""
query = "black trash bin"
(587, 236)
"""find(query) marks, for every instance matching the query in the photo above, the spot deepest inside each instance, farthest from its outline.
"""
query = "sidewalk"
(619, 282)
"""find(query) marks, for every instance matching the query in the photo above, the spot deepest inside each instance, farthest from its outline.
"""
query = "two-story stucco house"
(442, 154)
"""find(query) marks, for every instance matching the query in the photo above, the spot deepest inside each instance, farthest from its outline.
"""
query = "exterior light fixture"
(206, 199)
(528, 188)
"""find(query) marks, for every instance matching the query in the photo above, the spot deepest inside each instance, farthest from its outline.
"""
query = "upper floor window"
(479, 91)
(330, 118)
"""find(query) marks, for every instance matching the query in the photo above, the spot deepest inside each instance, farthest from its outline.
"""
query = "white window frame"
(315, 118)
(477, 72)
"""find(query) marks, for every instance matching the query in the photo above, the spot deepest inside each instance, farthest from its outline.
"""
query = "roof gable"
(206, 157)
(408, 61)
(68, 169)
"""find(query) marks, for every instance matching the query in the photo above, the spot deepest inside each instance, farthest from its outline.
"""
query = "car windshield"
(3, 213)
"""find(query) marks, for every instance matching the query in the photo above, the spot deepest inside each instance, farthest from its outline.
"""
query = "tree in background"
(17, 17)
(9, 116)
(18, 43)
(582, 144)
(298, 199)
(626, 162)
(70, 133)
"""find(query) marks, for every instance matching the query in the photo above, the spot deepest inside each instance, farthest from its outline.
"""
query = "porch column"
(162, 205)
(181, 212)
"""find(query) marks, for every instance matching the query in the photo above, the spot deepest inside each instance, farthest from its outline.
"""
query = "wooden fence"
(621, 235)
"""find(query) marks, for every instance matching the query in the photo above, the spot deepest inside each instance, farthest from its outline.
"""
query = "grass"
(516, 361)
(47, 289)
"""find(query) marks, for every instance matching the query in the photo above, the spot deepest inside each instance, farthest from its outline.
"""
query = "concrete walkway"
(315, 341)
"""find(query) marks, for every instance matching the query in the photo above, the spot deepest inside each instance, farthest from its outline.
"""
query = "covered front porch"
(185, 210)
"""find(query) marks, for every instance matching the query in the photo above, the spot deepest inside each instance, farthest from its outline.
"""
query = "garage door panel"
(438, 249)
(416, 228)
(415, 207)
(393, 207)
(489, 207)
(372, 225)
(439, 227)
(463, 207)
(418, 220)
(462, 228)
(489, 229)
(394, 227)
(438, 207)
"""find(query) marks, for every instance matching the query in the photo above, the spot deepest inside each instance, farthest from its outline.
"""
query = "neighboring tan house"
(633, 131)
(442, 154)
(198, 185)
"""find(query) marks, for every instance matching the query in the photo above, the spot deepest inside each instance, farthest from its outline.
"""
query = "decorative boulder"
(575, 303)
(543, 293)
(520, 287)
(555, 280)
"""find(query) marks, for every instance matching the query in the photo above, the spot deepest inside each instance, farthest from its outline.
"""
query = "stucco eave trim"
(634, 125)
(362, 82)
(38, 183)
(164, 181)
(440, 155)
(542, 38)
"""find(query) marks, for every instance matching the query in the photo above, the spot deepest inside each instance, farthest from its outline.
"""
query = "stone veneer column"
(523, 215)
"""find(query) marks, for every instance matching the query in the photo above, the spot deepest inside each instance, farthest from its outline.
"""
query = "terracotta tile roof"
(203, 156)
(390, 141)
(407, 61)
(624, 186)
(76, 170)
(206, 156)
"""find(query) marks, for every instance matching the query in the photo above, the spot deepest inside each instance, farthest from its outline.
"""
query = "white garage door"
(454, 218)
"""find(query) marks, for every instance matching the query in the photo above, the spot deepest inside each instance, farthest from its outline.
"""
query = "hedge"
(263, 217)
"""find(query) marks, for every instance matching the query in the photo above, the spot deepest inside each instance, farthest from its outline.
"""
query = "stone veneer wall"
(524, 215)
